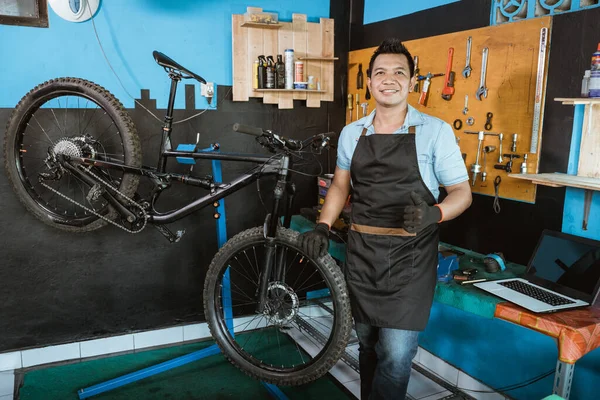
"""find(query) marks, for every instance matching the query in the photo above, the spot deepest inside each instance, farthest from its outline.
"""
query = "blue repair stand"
(200, 354)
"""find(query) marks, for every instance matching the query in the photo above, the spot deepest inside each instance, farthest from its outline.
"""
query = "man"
(394, 159)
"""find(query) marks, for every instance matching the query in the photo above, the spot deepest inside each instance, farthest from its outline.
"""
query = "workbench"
(469, 328)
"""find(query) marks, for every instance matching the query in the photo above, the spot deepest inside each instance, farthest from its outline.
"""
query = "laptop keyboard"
(536, 293)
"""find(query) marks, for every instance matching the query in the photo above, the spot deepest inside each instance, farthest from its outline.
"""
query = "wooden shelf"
(249, 24)
(579, 100)
(560, 180)
(290, 90)
(318, 58)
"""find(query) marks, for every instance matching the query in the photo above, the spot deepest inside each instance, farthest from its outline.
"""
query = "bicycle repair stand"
(200, 354)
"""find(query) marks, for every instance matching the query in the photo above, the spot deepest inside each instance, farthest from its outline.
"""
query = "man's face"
(390, 80)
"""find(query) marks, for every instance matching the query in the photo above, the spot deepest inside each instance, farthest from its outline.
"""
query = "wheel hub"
(74, 147)
(282, 304)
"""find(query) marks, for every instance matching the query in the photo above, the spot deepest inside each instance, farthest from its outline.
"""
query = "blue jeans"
(385, 358)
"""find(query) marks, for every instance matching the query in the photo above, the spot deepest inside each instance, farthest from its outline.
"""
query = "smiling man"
(394, 160)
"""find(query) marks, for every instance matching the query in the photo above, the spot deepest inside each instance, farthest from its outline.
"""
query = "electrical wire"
(129, 94)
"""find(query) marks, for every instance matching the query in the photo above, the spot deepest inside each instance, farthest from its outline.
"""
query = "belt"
(377, 230)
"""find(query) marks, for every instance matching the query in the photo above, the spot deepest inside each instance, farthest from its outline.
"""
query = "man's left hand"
(420, 215)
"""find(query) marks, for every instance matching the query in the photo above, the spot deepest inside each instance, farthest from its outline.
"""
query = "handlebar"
(291, 144)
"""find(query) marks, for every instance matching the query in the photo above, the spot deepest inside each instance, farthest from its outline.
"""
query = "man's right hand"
(315, 243)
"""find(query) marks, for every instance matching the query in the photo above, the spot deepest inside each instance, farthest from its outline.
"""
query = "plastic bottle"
(262, 72)
(270, 73)
(585, 84)
(280, 72)
(595, 74)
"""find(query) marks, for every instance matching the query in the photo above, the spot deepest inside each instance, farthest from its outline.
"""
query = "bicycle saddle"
(167, 62)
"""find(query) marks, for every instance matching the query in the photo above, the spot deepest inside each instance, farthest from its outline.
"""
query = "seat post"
(165, 144)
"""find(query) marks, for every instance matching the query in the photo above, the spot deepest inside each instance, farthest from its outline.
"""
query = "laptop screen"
(569, 261)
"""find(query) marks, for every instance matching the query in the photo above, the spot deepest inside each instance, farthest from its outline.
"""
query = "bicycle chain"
(145, 215)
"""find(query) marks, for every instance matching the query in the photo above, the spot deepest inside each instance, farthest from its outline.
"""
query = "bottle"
(270, 73)
(255, 74)
(359, 77)
(262, 72)
(280, 73)
(595, 74)
(585, 84)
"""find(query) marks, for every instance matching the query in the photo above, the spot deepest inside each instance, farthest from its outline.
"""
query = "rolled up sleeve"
(448, 163)
(344, 150)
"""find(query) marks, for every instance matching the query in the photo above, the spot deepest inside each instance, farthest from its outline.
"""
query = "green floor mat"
(210, 378)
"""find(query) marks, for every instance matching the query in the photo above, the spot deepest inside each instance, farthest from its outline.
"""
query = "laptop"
(563, 273)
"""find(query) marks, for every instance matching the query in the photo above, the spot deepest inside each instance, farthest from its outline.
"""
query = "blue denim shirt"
(438, 154)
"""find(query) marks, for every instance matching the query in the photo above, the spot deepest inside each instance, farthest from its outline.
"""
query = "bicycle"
(78, 176)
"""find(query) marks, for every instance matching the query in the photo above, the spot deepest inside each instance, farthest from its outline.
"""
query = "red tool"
(448, 89)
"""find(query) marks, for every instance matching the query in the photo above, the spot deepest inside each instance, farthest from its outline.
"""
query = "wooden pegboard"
(511, 82)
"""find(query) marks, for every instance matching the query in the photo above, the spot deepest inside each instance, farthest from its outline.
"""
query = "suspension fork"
(271, 225)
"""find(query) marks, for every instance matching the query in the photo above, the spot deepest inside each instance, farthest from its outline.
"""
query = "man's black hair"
(392, 46)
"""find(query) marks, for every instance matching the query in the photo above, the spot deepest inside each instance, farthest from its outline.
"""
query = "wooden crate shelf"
(312, 43)
(560, 180)
(248, 24)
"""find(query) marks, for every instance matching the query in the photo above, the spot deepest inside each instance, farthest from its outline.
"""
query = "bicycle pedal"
(172, 237)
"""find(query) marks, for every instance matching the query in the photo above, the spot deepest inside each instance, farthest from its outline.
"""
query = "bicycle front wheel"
(306, 322)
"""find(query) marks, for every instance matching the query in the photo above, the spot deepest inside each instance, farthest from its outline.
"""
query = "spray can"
(289, 68)
(262, 72)
(279, 73)
(270, 73)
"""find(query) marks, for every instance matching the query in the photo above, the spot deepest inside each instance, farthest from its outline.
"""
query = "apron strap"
(364, 132)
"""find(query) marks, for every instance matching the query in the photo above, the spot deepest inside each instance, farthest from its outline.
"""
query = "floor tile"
(437, 396)
(7, 383)
(354, 387)
(50, 354)
(158, 338)
(439, 367)
(420, 386)
(115, 344)
(10, 361)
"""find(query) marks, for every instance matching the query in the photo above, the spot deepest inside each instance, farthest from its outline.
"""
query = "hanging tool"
(476, 168)
(359, 77)
(486, 150)
(467, 70)
(483, 91)
(496, 205)
(365, 107)
(350, 105)
(466, 109)
(488, 121)
(513, 146)
(509, 164)
(448, 89)
(428, 77)
(587, 202)
(500, 138)
(537, 107)
(368, 94)
(357, 104)
(417, 85)
(524, 163)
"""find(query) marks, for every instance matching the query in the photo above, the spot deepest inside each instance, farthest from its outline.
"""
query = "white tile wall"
(158, 337)
(195, 331)
(50, 354)
(7, 397)
(10, 361)
(7, 383)
(115, 344)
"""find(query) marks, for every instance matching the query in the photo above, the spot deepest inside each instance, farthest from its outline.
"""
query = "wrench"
(483, 91)
(467, 71)
(466, 109)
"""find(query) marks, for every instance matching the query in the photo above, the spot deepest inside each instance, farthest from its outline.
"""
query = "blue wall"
(197, 34)
(378, 10)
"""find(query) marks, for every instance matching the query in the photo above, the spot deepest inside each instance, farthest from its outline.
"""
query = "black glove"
(315, 243)
(420, 215)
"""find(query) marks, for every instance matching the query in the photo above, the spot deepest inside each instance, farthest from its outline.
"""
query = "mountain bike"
(73, 157)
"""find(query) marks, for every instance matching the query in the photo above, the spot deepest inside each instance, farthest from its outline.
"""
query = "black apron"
(391, 273)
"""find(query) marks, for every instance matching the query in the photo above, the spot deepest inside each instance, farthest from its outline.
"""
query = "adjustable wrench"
(483, 91)
(467, 70)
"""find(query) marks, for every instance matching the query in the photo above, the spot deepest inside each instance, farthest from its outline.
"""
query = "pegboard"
(511, 81)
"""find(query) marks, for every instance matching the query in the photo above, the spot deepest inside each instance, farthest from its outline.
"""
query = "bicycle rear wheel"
(306, 324)
(76, 118)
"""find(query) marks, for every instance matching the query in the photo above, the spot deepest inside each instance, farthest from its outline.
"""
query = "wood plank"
(270, 49)
(255, 49)
(327, 50)
(320, 58)
(578, 100)
(560, 180)
(285, 40)
(240, 56)
(299, 29)
(289, 90)
(313, 67)
(511, 81)
(260, 25)
(589, 153)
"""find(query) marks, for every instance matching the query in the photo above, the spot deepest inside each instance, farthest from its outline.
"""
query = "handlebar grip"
(247, 129)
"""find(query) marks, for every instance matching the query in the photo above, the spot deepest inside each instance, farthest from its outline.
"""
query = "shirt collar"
(413, 118)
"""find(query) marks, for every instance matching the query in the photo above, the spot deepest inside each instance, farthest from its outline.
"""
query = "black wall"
(58, 287)
(574, 38)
